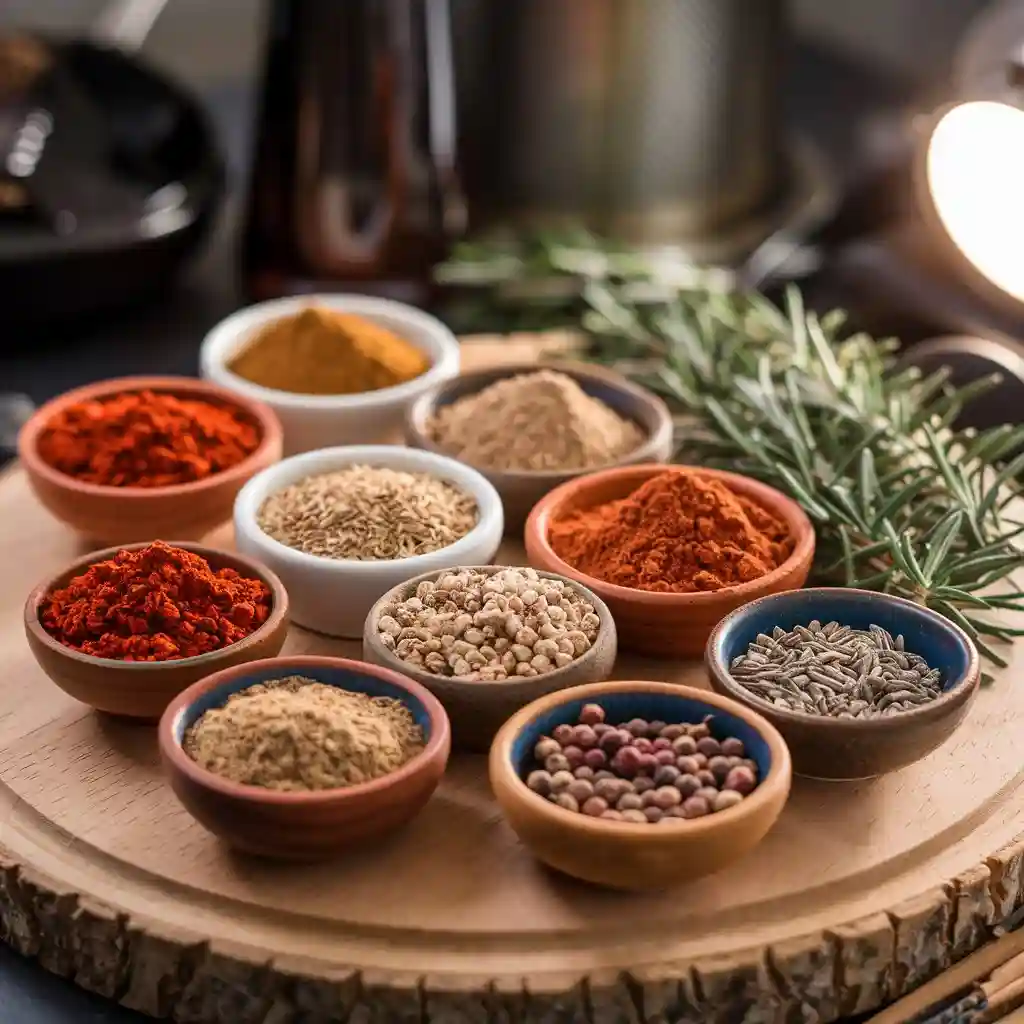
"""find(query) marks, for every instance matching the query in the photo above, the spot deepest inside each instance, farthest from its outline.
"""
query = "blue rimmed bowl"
(304, 825)
(520, 489)
(853, 748)
(622, 855)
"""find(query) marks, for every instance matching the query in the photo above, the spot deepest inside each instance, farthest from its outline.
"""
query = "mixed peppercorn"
(640, 771)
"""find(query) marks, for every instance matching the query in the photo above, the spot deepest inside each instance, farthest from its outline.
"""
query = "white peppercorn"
(636, 817)
(725, 799)
(629, 802)
(581, 790)
(512, 623)
(539, 782)
(565, 800)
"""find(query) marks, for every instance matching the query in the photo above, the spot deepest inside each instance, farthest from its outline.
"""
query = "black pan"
(144, 178)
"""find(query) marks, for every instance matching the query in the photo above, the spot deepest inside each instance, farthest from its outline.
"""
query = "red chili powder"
(679, 532)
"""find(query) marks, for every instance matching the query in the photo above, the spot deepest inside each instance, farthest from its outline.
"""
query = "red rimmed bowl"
(123, 515)
(142, 689)
(314, 825)
(659, 624)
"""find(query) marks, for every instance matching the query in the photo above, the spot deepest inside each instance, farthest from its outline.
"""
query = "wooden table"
(860, 892)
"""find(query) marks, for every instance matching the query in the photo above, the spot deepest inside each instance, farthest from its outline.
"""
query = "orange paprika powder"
(679, 532)
(146, 439)
(159, 603)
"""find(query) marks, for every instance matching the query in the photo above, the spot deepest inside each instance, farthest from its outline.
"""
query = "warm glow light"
(975, 169)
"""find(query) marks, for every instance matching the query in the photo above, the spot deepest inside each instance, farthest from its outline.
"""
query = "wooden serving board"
(860, 892)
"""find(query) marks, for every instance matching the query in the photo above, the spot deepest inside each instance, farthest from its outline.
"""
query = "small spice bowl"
(663, 624)
(128, 514)
(520, 490)
(304, 825)
(327, 421)
(476, 708)
(852, 748)
(623, 855)
(334, 595)
(142, 689)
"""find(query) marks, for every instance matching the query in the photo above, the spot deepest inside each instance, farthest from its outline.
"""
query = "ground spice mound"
(534, 421)
(146, 439)
(297, 734)
(320, 351)
(680, 532)
(159, 603)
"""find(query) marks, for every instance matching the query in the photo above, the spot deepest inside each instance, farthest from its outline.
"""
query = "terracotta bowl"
(123, 515)
(849, 748)
(667, 625)
(622, 855)
(314, 825)
(142, 689)
(520, 490)
(478, 709)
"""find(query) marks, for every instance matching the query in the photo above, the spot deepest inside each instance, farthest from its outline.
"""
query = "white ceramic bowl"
(325, 421)
(333, 595)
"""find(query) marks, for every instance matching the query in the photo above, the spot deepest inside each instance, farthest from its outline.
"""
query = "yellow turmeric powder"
(322, 352)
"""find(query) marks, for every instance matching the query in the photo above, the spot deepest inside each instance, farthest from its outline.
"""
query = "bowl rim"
(949, 699)
(379, 456)
(271, 434)
(606, 631)
(779, 775)
(543, 513)
(474, 381)
(222, 340)
(170, 748)
(278, 608)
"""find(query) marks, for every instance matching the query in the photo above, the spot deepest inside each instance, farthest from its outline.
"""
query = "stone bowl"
(478, 709)
(521, 489)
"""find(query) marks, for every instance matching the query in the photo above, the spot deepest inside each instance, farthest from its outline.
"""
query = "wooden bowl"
(849, 748)
(124, 515)
(477, 710)
(520, 490)
(622, 855)
(142, 689)
(313, 825)
(668, 625)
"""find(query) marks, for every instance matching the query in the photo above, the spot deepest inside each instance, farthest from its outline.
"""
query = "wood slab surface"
(860, 892)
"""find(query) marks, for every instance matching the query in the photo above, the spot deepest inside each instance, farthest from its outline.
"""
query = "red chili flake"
(159, 603)
(147, 439)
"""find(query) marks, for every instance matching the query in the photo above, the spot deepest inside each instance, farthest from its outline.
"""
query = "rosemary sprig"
(901, 500)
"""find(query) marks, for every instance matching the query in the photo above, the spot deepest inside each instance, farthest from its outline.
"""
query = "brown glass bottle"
(353, 185)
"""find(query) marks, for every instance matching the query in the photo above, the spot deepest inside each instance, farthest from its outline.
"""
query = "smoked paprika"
(146, 439)
(679, 532)
(159, 603)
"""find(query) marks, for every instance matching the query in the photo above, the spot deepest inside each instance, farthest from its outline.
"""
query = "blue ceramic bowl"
(304, 825)
(623, 855)
(850, 748)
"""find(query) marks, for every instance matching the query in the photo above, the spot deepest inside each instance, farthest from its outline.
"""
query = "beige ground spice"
(368, 513)
(534, 421)
(296, 734)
